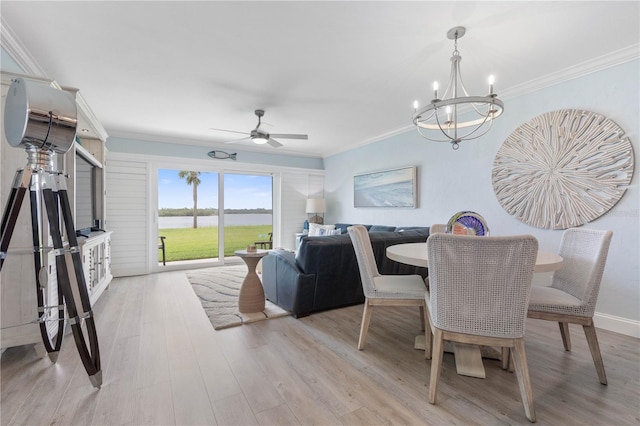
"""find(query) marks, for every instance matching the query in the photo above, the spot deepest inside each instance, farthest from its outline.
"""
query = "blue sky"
(241, 191)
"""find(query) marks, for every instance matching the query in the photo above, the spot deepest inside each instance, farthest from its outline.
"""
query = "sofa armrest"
(286, 285)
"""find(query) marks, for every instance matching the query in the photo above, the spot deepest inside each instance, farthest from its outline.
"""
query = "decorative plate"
(467, 223)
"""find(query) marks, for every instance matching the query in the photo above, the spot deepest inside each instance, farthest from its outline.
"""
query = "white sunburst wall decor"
(563, 169)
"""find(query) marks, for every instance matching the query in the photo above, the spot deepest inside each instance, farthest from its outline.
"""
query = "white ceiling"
(345, 73)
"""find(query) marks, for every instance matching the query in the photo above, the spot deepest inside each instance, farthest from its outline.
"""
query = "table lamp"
(315, 206)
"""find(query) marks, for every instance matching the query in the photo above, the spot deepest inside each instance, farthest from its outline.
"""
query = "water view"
(207, 221)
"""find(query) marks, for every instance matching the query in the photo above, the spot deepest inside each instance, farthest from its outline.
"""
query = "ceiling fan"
(260, 136)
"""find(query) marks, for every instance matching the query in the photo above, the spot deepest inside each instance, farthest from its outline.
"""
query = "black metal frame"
(161, 246)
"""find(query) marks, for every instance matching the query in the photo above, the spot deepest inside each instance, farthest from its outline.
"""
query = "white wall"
(451, 181)
(127, 188)
(296, 187)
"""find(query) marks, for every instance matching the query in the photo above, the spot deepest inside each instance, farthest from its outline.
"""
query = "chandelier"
(442, 114)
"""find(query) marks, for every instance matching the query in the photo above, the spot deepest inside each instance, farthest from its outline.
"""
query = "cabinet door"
(107, 258)
(100, 264)
(94, 275)
(87, 260)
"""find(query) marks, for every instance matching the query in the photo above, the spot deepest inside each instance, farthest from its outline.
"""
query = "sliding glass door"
(196, 222)
(248, 214)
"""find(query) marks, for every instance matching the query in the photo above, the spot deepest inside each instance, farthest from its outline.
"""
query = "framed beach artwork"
(388, 188)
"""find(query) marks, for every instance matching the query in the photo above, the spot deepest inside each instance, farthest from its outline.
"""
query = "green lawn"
(202, 243)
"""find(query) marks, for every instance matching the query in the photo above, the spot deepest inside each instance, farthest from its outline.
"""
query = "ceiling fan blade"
(225, 130)
(289, 136)
(274, 143)
(239, 140)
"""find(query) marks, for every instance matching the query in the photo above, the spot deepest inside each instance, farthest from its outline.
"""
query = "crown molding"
(8, 76)
(582, 69)
(18, 52)
(90, 119)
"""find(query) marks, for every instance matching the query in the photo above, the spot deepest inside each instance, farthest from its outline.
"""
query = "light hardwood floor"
(164, 364)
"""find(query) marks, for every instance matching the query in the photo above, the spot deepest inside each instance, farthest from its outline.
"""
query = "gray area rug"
(218, 289)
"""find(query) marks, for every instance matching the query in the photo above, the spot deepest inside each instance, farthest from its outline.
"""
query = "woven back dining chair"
(390, 290)
(574, 289)
(479, 293)
(436, 228)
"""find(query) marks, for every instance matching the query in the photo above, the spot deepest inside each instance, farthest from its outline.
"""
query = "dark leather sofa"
(324, 274)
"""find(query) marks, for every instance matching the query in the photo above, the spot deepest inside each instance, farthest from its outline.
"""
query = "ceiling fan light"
(260, 140)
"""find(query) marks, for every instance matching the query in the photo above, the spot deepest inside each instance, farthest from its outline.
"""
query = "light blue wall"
(451, 181)
(8, 64)
(136, 146)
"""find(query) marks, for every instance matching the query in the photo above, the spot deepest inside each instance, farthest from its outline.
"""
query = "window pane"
(248, 218)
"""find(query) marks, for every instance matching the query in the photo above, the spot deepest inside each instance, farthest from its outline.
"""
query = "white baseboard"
(617, 324)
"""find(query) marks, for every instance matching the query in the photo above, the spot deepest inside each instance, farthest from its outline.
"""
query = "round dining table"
(468, 357)
(416, 254)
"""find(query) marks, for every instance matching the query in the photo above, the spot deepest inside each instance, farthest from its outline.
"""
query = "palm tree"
(192, 179)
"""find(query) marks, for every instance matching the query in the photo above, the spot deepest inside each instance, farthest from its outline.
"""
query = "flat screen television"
(86, 195)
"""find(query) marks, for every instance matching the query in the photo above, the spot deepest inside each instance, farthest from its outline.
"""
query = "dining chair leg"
(364, 327)
(506, 354)
(436, 365)
(422, 322)
(594, 347)
(428, 344)
(566, 338)
(428, 337)
(524, 382)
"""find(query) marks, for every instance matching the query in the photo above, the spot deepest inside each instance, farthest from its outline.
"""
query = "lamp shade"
(315, 205)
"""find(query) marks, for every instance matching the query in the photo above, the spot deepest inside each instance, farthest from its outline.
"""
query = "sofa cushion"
(317, 252)
(382, 228)
(342, 227)
(316, 230)
(411, 228)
